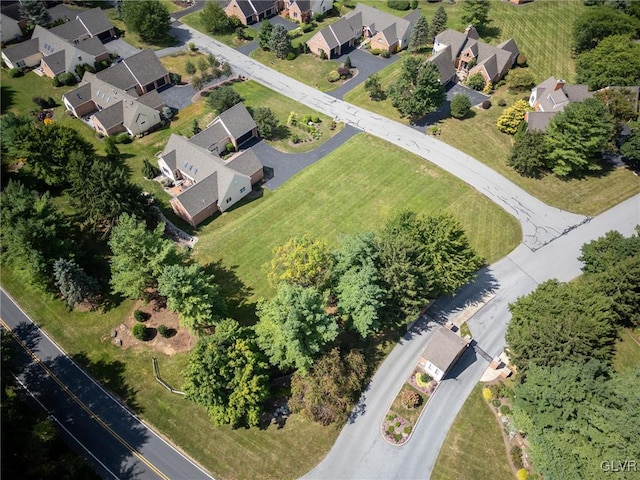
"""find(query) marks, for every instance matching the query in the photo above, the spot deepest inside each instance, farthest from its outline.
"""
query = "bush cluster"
(333, 76)
(306, 27)
(163, 330)
(422, 380)
(516, 457)
(66, 78)
(410, 399)
(139, 331)
(399, 4)
(15, 72)
(122, 137)
(139, 316)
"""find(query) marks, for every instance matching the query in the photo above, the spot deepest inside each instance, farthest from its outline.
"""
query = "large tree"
(228, 374)
(35, 12)
(559, 323)
(294, 328)
(214, 19)
(47, 150)
(373, 87)
(631, 149)
(475, 12)
(596, 24)
(418, 90)
(266, 121)
(192, 294)
(438, 24)
(520, 79)
(223, 98)
(280, 42)
(139, 256)
(420, 34)
(529, 154)
(614, 61)
(148, 18)
(334, 383)
(577, 137)
(620, 103)
(609, 250)
(264, 34)
(74, 284)
(301, 261)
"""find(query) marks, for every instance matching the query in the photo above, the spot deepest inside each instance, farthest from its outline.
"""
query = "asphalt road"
(114, 441)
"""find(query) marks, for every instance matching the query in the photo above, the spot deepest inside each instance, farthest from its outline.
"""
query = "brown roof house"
(303, 11)
(252, 11)
(469, 55)
(123, 97)
(208, 183)
(442, 352)
(383, 31)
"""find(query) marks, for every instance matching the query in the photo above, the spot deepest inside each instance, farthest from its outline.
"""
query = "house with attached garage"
(383, 31)
(252, 11)
(303, 11)
(206, 183)
(469, 55)
(443, 350)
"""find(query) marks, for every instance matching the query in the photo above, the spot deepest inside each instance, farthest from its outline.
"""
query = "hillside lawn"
(474, 447)
(627, 356)
(354, 189)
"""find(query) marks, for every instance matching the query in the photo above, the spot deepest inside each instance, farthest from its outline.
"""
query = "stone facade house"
(252, 11)
(469, 55)
(442, 352)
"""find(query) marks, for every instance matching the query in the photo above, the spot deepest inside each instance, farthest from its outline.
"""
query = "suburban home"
(62, 48)
(208, 183)
(113, 110)
(11, 21)
(469, 55)
(442, 352)
(235, 126)
(303, 11)
(383, 31)
(550, 97)
(252, 11)
(139, 74)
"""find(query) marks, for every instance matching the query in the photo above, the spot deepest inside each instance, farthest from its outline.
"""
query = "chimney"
(559, 84)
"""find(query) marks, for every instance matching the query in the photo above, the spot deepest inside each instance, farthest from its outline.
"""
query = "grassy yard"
(176, 63)
(353, 189)
(479, 137)
(474, 447)
(627, 355)
(229, 39)
(18, 92)
(133, 38)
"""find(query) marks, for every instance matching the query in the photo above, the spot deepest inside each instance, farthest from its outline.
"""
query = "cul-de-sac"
(317, 239)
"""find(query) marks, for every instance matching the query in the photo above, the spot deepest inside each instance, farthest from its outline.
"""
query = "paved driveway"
(278, 20)
(444, 111)
(366, 64)
(122, 48)
(178, 96)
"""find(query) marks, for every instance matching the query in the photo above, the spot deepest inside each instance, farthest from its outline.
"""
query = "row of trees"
(574, 411)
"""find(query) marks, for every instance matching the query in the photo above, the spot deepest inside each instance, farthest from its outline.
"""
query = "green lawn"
(627, 355)
(230, 39)
(17, 93)
(351, 190)
(176, 63)
(133, 38)
(474, 447)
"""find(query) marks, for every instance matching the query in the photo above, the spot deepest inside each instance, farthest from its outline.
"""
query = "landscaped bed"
(405, 411)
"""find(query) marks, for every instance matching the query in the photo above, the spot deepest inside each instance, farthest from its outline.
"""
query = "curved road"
(115, 442)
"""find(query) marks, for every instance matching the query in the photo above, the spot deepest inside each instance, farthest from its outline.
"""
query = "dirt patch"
(179, 340)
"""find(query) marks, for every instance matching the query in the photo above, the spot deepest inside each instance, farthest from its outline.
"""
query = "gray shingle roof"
(538, 121)
(443, 348)
(119, 76)
(237, 120)
(246, 163)
(245, 7)
(92, 46)
(262, 6)
(442, 61)
(69, 31)
(145, 67)
(112, 116)
(211, 135)
(95, 21)
(200, 196)
(56, 62)
(21, 50)
(79, 96)
(152, 99)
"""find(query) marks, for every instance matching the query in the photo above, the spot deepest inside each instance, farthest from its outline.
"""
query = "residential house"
(252, 11)
(442, 352)
(140, 73)
(11, 21)
(303, 11)
(382, 30)
(113, 110)
(469, 55)
(23, 55)
(550, 97)
(208, 184)
(235, 126)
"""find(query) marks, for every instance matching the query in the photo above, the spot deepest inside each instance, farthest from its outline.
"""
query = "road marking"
(82, 405)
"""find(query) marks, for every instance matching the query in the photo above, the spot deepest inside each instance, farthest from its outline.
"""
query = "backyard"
(230, 39)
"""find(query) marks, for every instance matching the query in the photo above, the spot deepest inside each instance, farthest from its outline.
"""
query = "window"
(20, 64)
(243, 189)
(228, 200)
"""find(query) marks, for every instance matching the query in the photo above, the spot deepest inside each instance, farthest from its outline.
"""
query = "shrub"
(505, 410)
(375, 51)
(56, 82)
(502, 102)
(488, 88)
(139, 331)
(475, 81)
(486, 394)
(163, 330)
(306, 27)
(399, 4)
(516, 456)
(512, 117)
(295, 138)
(344, 72)
(407, 429)
(41, 102)
(486, 105)
(410, 399)
(306, 119)
(122, 138)
(347, 62)
(391, 417)
(293, 119)
(390, 429)
(397, 424)
(167, 112)
(333, 76)
(495, 402)
(397, 437)
(175, 78)
(385, 54)
(522, 474)
(67, 79)
(323, 55)
(189, 67)
(291, 56)
(192, 46)
(333, 125)
(422, 380)
(316, 119)
(229, 147)
(521, 61)
(460, 105)
(139, 315)
(15, 72)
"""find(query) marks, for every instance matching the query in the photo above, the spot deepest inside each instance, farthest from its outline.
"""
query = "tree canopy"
(35, 12)
(266, 121)
(418, 90)
(420, 34)
(215, 20)
(264, 34)
(577, 137)
(280, 42)
(301, 261)
(460, 105)
(148, 18)
(294, 328)
(529, 154)
(475, 12)
(608, 251)
(373, 87)
(619, 103)
(595, 24)
(438, 24)
(228, 374)
(223, 98)
(512, 117)
(74, 284)
(614, 61)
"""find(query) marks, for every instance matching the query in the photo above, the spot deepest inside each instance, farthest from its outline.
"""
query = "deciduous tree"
(529, 154)
(460, 105)
(418, 90)
(227, 374)
(301, 261)
(620, 103)
(595, 24)
(512, 117)
(609, 250)
(614, 61)
(373, 87)
(294, 328)
(148, 18)
(520, 79)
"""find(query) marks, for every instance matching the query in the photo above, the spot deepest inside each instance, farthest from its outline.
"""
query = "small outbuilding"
(442, 352)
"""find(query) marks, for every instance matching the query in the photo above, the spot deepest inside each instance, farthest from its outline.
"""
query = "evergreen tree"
(149, 171)
(280, 42)
(438, 24)
(301, 261)
(264, 34)
(74, 284)
(420, 34)
(35, 12)
(266, 121)
(476, 13)
(529, 154)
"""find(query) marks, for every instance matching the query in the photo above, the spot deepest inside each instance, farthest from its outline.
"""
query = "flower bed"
(427, 389)
(405, 411)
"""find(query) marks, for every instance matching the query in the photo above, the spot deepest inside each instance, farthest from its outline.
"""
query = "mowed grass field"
(474, 447)
(354, 189)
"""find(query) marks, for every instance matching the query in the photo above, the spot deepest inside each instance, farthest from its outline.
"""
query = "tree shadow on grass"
(7, 95)
(234, 291)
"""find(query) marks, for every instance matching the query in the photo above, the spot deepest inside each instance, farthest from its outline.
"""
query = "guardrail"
(156, 373)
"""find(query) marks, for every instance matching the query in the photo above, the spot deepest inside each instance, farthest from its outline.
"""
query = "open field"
(627, 355)
(474, 447)
(353, 189)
